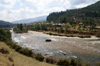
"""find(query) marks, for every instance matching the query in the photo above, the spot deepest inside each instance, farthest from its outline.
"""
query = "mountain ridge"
(5, 23)
(31, 20)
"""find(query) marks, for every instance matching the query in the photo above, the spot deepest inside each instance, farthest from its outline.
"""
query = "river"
(87, 49)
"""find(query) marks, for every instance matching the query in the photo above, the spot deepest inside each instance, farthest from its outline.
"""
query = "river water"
(60, 47)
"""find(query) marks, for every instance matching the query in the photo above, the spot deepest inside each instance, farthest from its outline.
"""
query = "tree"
(44, 26)
(63, 19)
(79, 27)
(66, 29)
(20, 26)
(84, 27)
(68, 25)
(61, 30)
(37, 26)
(58, 30)
(92, 27)
(51, 22)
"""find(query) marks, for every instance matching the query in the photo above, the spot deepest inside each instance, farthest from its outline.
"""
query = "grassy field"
(18, 59)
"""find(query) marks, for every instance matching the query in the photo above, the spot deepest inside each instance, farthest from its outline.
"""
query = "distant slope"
(37, 19)
(5, 23)
(91, 11)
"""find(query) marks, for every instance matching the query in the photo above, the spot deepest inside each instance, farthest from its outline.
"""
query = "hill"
(91, 12)
(31, 20)
(18, 59)
(5, 23)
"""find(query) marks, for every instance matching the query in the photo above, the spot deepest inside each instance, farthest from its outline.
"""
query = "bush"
(10, 43)
(17, 48)
(26, 51)
(87, 64)
(39, 57)
(4, 35)
(63, 62)
(10, 59)
(73, 62)
(50, 33)
(79, 64)
(98, 34)
(4, 51)
(49, 60)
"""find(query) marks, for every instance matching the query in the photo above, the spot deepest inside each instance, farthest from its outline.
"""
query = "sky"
(12, 10)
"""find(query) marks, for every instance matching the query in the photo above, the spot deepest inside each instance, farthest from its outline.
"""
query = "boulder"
(48, 40)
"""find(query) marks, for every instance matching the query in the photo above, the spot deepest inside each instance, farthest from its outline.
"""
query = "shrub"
(50, 33)
(87, 64)
(79, 64)
(4, 51)
(10, 43)
(26, 51)
(49, 60)
(98, 34)
(63, 62)
(4, 35)
(39, 57)
(10, 59)
(73, 62)
(17, 48)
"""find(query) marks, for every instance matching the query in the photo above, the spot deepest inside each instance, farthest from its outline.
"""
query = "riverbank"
(55, 35)
(71, 35)
(18, 59)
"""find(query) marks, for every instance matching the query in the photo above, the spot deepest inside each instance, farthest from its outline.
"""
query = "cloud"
(82, 3)
(12, 10)
(7, 4)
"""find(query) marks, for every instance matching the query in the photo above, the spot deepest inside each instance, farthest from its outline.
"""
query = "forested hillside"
(5, 23)
(89, 15)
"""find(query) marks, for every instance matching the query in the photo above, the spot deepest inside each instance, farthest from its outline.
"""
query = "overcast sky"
(12, 10)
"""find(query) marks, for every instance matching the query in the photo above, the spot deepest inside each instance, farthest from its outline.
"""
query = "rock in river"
(48, 40)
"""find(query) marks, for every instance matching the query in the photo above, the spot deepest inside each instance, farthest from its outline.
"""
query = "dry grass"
(4, 60)
(19, 59)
